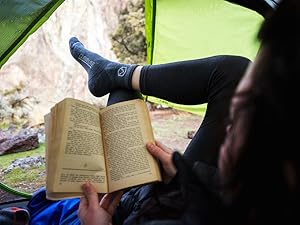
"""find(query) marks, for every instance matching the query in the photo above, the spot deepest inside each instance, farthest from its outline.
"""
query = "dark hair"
(269, 155)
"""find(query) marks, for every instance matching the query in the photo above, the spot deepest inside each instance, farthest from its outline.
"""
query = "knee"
(234, 67)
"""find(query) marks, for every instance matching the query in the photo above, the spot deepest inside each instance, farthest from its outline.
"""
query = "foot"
(103, 74)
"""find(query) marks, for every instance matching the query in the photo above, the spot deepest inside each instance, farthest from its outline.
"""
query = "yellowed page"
(49, 160)
(80, 157)
(126, 128)
(51, 144)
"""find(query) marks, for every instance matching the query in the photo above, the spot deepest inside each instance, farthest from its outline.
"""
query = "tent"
(18, 20)
(175, 30)
(182, 30)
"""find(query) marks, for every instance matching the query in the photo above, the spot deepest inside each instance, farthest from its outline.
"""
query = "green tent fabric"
(181, 30)
(19, 19)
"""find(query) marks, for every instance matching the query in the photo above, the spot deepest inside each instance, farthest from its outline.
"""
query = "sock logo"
(122, 71)
(90, 63)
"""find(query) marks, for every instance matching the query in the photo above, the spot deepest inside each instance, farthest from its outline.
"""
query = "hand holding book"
(105, 147)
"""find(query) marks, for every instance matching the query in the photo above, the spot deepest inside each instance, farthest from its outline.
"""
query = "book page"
(126, 129)
(80, 156)
(49, 160)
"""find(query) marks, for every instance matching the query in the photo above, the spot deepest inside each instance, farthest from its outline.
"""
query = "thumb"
(91, 195)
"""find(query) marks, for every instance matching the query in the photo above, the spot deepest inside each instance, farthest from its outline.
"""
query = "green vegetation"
(26, 180)
(6, 160)
(18, 175)
(128, 40)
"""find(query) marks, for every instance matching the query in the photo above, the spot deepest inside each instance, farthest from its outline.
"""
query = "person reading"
(241, 166)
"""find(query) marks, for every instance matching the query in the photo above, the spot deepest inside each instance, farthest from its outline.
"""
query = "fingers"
(164, 155)
(110, 201)
(160, 152)
(163, 147)
(90, 198)
(157, 152)
(116, 199)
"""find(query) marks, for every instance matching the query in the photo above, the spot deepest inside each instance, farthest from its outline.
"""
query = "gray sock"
(103, 75)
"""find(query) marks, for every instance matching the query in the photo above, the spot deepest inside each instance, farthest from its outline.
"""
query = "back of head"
(269, 169)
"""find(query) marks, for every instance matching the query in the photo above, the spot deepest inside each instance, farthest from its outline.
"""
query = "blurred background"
(42, 71)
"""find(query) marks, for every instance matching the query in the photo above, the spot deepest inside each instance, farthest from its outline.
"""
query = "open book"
(103, 146)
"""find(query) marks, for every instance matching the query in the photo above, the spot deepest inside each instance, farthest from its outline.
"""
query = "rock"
(190, 134)
(25, 163)
(3, 136)
(20, 142)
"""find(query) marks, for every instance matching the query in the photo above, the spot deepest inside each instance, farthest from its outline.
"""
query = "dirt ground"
(170, 126)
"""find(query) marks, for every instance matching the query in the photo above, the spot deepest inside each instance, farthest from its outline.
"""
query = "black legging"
(209, 80)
